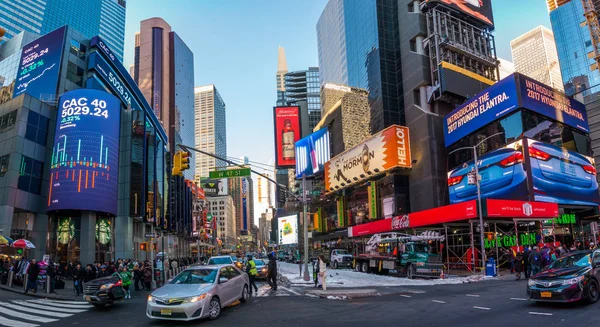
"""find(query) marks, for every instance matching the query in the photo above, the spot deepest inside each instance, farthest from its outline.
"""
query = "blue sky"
(235, 47)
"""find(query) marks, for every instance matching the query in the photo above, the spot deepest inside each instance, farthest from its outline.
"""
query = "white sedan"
(198, 292)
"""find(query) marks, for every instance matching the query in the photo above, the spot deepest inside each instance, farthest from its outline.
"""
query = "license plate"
(87, 298)
(165, 312)
(546, 294)
(567, 168)
(471, 178)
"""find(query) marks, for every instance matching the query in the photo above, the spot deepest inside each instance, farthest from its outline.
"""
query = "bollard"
(48, 280)
(25, 281)
(11, 275)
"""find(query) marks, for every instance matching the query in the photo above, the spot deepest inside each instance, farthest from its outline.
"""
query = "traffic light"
(143, 246)
(181, 162)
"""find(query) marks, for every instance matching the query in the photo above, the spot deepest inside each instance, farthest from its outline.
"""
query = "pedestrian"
(272, 272)
(147, 277)
(125, 281)
(78, 274)
(89, 274)
(138, 275)
(51, 272)
(316, 272)
(32, 272)
(103, 272)
(518, 265)
(535, 261)
(251, 270)
(322, 271)
(526, 268)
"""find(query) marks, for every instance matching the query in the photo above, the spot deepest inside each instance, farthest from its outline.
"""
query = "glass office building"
(302, 89)
(105, 18)
(358, 44)
(573, 43)
(210, 129)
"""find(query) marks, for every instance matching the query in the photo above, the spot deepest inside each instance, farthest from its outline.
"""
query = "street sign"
(152, 235)
(230, 173)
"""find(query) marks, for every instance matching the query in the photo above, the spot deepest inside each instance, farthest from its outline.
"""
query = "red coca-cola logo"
(400, 222)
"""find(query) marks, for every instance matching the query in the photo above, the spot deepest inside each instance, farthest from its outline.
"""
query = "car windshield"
(342, 252)
(259, 262)
(575, 260)
(421, 248)
(196, 276)
(219, 261)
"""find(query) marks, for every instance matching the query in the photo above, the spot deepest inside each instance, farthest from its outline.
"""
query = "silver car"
(198, 292)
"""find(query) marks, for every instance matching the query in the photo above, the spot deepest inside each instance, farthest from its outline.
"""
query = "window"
(75, 74)
(37, 128)
(77, 49)
(8, 120)
(232, 272)
(4, 164)
(30, 175)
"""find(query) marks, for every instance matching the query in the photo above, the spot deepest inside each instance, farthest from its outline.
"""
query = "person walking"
(78, 274)
(33, 272)
(316, 272)
(518, 265)
(147, 277)
(51, 272)
(535, 261)
(322, 272)
(272, 272)
(126, 281)
(103, 272)
(526, 268)
(251, 271)
(137, 277)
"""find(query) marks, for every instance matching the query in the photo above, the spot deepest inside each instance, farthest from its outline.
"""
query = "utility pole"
(305, 218)
(153, 285)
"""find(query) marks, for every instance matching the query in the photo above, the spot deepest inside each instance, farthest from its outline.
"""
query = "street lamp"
(479, 205)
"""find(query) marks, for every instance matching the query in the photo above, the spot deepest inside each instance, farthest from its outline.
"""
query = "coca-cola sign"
(400, 222)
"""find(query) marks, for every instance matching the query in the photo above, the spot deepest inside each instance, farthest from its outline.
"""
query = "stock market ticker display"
(84, 167)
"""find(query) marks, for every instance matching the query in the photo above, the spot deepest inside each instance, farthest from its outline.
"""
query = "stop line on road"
(31, 313)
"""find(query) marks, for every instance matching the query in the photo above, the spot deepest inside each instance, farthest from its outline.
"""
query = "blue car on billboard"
(562, 176)
(502, 174)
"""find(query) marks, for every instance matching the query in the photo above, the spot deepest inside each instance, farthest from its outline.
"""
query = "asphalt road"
(490, 303)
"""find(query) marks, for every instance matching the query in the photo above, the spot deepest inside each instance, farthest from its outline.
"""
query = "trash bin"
(490, 268)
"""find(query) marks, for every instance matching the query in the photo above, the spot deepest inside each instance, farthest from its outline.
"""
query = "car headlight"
(193, 299)
(420, 264)
(151, 299)
(531, 282)
(106, 286)
(572, 281)
(264, 269)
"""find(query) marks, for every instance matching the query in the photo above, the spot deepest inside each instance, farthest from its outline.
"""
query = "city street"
(494, 303)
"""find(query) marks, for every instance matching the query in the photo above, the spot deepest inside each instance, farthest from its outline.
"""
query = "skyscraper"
(505, 68)
(281, 71)
(164, 70)
(105, 18)
(301, 88)
(534, 54)
(210, 130)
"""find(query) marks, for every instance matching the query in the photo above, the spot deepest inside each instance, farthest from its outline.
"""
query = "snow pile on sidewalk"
(331, 297)
(349, 278)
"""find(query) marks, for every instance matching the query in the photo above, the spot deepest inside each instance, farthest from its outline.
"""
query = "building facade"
(505, 67)
(280, 74)
(105, 18)
(242, 192)
(223, 210)
(302, 89)
(534, 54)
(210, 129)
(164, 69)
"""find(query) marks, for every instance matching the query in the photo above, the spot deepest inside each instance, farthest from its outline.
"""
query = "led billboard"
(85, 155)
(478, 9)
(287, 133)
(288, 229)
(39, 65)
(514, 92)
(312, 152)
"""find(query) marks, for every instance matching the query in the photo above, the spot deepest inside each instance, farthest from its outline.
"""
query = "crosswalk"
(264, 290)
(32, 313)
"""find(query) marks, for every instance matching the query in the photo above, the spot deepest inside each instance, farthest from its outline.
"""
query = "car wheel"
(214, 308)
(335, 265)
(592, 291)
(410, 272)
(357, 267)
(99, 305)
(245, 295)
(365, 267)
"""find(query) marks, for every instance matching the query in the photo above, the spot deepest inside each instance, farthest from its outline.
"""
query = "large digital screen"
(513, 92)
(312, 152)
(287, 133)
(214, 187)
(558, 175)
(288, 229)
(39, 65)
(479, 9)
(85, 155)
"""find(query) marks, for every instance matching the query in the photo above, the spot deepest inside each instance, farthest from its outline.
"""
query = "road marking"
(481, 308)
(25, 316)
(473, 295)
(404, 295)
(540, 313)
(436, 301)
(70, 306)
(40, 306)
(290, 290)
(15, 323)
(282, 294)
(40, 312)
(67, 302)
(518, 299)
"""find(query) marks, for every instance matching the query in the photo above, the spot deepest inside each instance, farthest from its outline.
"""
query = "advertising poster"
(382, 152)
(288, 230)
(502, 171)
(287, 133)
(214, 187)
(312, 152)
(562, 176)
(84, 164)
(479, 9)
(39, 65)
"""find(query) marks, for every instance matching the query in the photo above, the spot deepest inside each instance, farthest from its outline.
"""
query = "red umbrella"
(22, 244)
